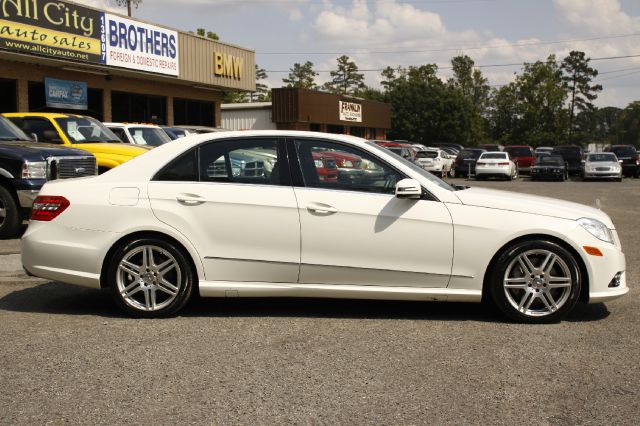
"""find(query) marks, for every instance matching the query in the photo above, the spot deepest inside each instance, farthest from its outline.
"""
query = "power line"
(449, 49)
(607, 58)
(619, 76)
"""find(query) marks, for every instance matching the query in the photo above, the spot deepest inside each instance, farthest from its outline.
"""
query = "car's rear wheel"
(535, 282)
(150, 277)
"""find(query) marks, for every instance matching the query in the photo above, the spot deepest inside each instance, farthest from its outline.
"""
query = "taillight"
(503, 164)
(480, 163)
(48, 207)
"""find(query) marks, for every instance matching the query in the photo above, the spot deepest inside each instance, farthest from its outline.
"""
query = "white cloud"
(598, 16)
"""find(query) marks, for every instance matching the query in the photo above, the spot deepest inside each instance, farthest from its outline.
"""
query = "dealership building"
(311, 110)
(60, 56)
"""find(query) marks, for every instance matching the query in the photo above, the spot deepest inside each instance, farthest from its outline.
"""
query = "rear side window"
(240, 161)
(119, 132)
(182, 169)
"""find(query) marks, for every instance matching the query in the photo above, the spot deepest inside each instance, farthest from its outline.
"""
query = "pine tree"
(346, 80)
(301, 76)
(578, 76)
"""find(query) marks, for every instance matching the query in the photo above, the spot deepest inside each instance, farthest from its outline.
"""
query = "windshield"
(427, 154)
(85, 130)
(626, 151)
(153, 136)
(547, 160)
(602, 157)
(519, 152)
(10, 132)
(496, 156)
(414, 167)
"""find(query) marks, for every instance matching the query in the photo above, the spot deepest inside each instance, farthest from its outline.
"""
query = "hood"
(44, 150)
(533, 204)
(121, 149)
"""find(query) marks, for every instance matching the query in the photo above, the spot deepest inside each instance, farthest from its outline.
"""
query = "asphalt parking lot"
(69, 356)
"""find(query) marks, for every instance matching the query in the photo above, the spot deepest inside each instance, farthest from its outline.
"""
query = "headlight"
(597, 229)
(34, 170)
(347, 163)
(318, 163)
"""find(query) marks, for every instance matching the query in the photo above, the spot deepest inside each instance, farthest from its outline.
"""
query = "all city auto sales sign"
(68, 31)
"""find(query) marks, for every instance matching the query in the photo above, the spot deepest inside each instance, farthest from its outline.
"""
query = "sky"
(380, 33)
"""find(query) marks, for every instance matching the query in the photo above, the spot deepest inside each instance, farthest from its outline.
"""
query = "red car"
(325, 166)
(522, 155)
(349, 166)
(404, 150)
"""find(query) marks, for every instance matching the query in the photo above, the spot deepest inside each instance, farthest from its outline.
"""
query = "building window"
(38, 102)
(193, 112)
(332, 128)
(9, 98)
(132, 107)
(357, 131)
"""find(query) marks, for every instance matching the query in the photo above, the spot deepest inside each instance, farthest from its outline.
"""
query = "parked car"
(203, 129)
(522, 155)
(349, 166)
(173, 232)
(77, 131)
(496, 164)
(602, 165)
(25, 166)
(466, 161)
(443, 145)
(139, 134)
(543, 150)
(404, 150)
(175, 132)
(491, 147)
(435, 161)
(572, 156)
(549, 167)
(630, 159)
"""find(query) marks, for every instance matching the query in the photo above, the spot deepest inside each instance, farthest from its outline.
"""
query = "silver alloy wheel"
(148, 278)
(537, 283)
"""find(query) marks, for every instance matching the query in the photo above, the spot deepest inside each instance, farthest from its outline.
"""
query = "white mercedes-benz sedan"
(252, 214)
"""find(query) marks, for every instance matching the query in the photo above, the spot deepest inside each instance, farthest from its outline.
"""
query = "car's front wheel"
(535, 281)
(150, 277)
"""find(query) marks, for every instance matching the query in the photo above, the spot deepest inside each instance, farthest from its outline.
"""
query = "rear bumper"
(492, 171)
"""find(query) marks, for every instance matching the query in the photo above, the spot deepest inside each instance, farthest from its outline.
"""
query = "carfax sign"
(68, 31)
(65, 94)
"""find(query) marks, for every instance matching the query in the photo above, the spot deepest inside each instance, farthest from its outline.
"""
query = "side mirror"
(408, 188)
(51, 136)
(620, 161)
(34, 137)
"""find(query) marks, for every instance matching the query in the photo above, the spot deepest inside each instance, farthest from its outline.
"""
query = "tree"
(346, 79)
(474, 87)
(262, 93)
(301, 76)
(370, 94)
(627, 126)
(542, 96)
(425, 110)
(578, 76)
(209, 34)
(127, 3)
(505, 114)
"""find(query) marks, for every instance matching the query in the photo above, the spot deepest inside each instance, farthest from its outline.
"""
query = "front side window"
(41, 128)
(334, 166)
(119, 132)
(240, 161)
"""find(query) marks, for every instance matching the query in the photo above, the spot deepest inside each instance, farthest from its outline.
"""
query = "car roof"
(42, 114)
(154, 126)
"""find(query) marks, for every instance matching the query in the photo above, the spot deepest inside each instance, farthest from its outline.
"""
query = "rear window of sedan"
(520, 152)
(493, 156)
(471, 153)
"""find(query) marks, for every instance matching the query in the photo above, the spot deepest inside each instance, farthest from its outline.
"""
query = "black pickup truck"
(25, 166)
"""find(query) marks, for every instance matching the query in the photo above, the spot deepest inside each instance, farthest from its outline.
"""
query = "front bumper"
(27, 190)
(602, 175)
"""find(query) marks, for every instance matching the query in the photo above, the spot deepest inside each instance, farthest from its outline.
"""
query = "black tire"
(10, 225)
(181, 277)
(535, 287)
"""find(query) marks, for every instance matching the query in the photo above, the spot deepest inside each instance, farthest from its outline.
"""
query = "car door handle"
(190, 199)
(320, 208)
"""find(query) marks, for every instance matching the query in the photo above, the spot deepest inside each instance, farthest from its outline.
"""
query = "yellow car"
(77, 131)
